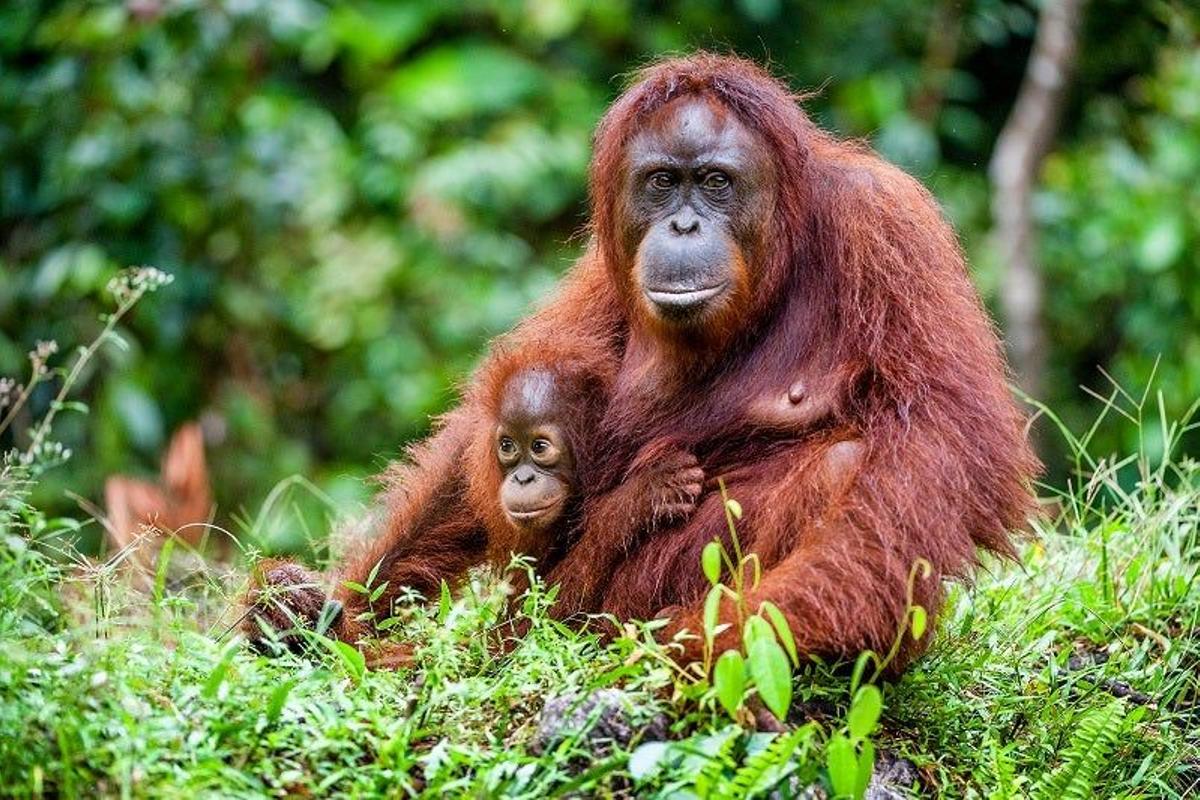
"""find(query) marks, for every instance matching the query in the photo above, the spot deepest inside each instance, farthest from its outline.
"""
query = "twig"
(85, 355)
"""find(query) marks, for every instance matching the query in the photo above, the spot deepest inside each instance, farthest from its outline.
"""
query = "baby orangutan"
(532, 444)
(528, 465)
(532, 463)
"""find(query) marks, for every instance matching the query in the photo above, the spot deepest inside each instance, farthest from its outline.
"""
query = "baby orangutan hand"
(284, 600)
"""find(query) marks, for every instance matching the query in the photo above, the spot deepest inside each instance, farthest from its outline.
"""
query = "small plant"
(764, 664)
(850, 753)
(1092, 743)
(127, 288)
(21, 524)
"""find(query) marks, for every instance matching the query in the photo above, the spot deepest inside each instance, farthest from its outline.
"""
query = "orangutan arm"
(841, 588)
(663, 487)
(429, 532)
(843, 583)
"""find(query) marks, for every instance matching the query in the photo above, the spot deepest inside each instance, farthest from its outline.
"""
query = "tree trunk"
(1016, 162)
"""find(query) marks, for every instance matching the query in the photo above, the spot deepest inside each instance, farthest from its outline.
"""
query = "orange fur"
(923, 455)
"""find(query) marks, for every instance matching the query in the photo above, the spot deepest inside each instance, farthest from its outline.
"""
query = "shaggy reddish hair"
(762, 104)
(864, 283)
(582, 370)
(860, 294)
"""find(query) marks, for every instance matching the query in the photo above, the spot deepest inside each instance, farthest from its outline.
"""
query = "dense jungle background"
(339, 203)
(353, 197)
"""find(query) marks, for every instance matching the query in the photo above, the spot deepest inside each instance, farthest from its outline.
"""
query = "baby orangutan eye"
(540, 446)
(507, 446)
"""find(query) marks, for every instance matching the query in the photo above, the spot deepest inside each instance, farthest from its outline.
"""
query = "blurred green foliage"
(1121, 238)
(354, 196)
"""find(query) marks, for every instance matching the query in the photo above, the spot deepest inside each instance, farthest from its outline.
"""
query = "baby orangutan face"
(534, 453)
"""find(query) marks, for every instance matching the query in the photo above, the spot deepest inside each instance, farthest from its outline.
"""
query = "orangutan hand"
(285, 600)
(672, 483)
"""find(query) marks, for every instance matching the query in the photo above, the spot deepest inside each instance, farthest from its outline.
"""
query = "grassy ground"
(1073, 674)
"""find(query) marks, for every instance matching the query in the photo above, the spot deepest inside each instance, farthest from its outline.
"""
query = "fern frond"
(1092, 743)
(768, 766)
(1003, 778)
(711, 777)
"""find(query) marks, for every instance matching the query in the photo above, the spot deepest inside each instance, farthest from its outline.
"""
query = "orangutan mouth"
(683, 299)
(527, 514)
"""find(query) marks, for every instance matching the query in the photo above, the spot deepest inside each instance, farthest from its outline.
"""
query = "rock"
(603, 719)
(1086, 659)
(793, 789)
(894, 778)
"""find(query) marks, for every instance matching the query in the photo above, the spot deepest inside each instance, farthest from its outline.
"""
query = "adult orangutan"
(796, 314)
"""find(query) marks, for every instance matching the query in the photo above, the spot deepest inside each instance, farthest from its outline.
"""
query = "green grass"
(1075, 673)
(105, 691)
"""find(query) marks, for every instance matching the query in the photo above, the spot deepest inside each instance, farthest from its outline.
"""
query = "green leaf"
(279, 697)
(842, 765)
(864, 712)
(735, 508)
(782, 630)
(355, 587)
(378, 591)
(866, 765)
(215, 678)
(712, 612)
(729, 679)
(710, 560)
(756, 628)
(919, 620)
(646, 760)
(772, 675)
(351, 658)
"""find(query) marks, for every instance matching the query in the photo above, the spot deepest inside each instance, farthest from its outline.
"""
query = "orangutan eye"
(662, 180)
(540, 446)
(507, 446)
(715, 180)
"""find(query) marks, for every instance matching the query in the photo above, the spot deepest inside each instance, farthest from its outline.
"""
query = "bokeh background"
(353, 197)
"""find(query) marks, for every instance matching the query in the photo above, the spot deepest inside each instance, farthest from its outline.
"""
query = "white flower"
(130, 284)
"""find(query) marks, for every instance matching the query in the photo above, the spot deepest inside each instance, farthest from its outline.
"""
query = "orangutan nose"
(685, 222)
